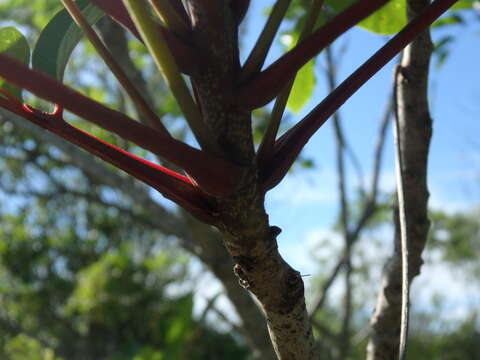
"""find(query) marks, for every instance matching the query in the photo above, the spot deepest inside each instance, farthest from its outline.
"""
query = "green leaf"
(390, 19)
(59, 38)
(463, 4)
(441, 50)
(302, 88)
(24, 347)
(453, 19)
(13, 44)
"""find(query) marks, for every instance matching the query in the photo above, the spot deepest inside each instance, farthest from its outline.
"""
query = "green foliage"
(96, 295)
(390, 19)
(464, 4)
(59, 38)
(456, 16)
(23, 347)
(457, 237)
(13, 44)
(305, 80)
(302, 89)
(28, 13)
(436, 340)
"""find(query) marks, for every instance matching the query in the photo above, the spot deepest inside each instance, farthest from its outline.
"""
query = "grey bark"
(247, 234)
(415, 133)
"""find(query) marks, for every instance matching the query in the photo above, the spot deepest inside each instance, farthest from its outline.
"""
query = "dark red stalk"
(117, 11)
(173, 186)
(180, 9)
(213, 175)
(183, 53)
(291, 143)
(239, 9)
(265, 86)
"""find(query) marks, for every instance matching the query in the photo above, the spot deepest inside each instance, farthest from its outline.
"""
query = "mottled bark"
(210, 250)
(247, 234)
(415, 131)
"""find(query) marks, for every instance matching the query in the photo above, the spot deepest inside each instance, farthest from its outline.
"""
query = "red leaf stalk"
(213, 175)
(292, 142)
(170, 184)
(266, 85)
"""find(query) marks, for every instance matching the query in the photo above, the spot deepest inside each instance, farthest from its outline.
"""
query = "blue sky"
(455, 153)
(305, 204)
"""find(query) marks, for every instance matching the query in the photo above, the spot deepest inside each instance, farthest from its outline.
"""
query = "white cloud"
(306, 189)
(459, 296)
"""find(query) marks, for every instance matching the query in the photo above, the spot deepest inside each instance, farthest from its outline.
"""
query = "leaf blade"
(59, 38)
(302, 89)
(214, 175)
(389, 19)
(14, 45)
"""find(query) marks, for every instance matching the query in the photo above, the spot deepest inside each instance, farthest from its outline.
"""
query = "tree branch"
(184, 53)
(265, 86)
(170, 184)
(257, 56)
(322, 296)
(171, 16)
(137, 99)
(167, 65)
(415, 127)
(344, 335)
(291, 143)
(115, 36)
(268, 141)
(213, 175)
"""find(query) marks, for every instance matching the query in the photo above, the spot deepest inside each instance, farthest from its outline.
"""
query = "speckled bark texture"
(247, 235)
(415, 129)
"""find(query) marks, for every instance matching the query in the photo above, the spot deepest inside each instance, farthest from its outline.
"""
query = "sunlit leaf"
(302, 88)
(464, 4)
(13, 44)
(388, 20)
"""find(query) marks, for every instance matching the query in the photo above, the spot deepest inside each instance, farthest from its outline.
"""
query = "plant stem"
(289, 145)
(257, 56)
(268, 140)
(402, 216)
(137, 99)
(170, 17)
(165, 62)
(269, 83)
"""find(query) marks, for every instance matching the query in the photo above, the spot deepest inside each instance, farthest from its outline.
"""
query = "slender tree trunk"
(247, 234)
(213, 254)
(415, 129)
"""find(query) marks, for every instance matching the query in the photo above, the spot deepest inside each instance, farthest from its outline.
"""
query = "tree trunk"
(242, 219)
(415, 133)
